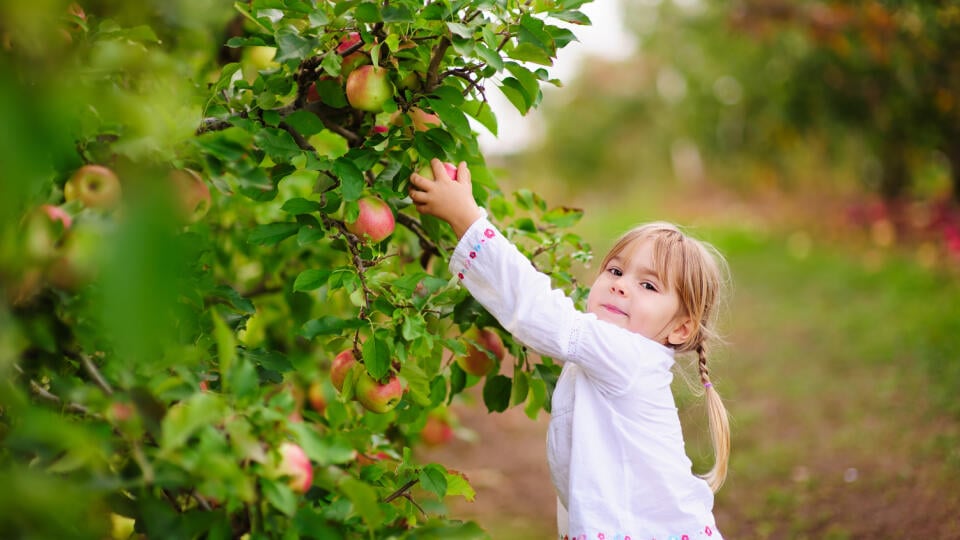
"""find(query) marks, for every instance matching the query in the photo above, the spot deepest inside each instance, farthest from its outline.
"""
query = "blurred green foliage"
(735, 91)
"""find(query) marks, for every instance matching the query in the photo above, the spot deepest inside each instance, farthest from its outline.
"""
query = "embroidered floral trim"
(706, 532)
(476, 248)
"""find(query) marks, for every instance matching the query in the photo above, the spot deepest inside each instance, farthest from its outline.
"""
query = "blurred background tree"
(741, 86)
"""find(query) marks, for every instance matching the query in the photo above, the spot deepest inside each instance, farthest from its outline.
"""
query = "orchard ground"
(839, 430)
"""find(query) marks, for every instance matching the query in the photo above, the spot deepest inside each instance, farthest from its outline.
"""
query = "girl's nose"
(616, 289)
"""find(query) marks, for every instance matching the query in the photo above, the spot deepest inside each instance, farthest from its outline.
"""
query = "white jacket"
(615, 446)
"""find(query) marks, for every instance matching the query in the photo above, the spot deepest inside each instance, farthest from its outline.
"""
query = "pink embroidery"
(460, 275)
(488, 233)
(708, 530)
(473, 254)
(600, 536)
(685, 537)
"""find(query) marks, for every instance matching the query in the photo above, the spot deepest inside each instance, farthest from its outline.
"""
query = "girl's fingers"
(463, 173)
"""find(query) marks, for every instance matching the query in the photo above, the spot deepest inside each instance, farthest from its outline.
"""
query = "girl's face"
(629, 293)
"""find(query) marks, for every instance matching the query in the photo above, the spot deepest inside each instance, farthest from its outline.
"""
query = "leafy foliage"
(160, 356)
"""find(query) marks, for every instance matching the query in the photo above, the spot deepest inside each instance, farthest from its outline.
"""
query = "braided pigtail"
(719, 425)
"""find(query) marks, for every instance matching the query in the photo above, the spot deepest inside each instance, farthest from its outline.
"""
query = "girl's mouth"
(613, 309)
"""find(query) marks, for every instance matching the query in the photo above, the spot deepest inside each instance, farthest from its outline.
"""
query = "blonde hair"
(699, 274)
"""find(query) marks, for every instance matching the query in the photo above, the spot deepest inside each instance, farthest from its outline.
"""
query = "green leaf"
(272, 233)
(461, 30)
(521, 386)
(537, 399)
(526, 52)
(376, 356)
(291, 45)
(187, 417)
(457, 484)
(278, 144)
(328, 449)
(483, 113)
(311, 279)
(328, 324)
(280, 496)
(306, 123)
(573, 17)
(490, 56)
(365, 501)
(433, 479)
(299, 205)
(563, 216)
(396, 14)
(496, 393)
(226, 346)
(531, 31)
(351, 178)
(451, 116)
(367, 12)
(514, 92)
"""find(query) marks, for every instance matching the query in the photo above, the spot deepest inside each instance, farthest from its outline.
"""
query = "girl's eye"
(649, 286)
(615, 271)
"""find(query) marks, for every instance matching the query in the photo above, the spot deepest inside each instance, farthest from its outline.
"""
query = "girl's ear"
(682, 330)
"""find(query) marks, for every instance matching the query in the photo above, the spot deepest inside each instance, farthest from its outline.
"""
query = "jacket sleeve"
(545, 319)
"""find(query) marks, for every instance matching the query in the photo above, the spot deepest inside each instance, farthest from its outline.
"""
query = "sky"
(606, 35)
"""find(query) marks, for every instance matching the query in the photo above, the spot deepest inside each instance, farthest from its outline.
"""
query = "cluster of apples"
(62, 250)
(375, 396)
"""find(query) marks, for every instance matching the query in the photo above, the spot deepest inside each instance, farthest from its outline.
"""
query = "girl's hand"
(448, 199)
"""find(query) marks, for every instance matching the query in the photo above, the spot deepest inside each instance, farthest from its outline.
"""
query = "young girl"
(614, 446)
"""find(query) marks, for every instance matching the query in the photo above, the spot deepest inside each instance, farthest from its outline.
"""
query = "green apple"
(369, 88)
(95, 186)
(427, 171)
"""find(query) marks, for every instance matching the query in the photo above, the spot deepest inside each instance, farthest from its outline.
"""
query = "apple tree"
(220, 315)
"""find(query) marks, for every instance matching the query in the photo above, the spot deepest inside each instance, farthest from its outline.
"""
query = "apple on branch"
(375, 220)
(95, 186)
(427, 171)
(437, 430)
(369, 88)
(340, 368)
(484, 349)
(43, 229)
(422, 120)
(348, 41)
(191, 193)
(295, 465)
(376, 396)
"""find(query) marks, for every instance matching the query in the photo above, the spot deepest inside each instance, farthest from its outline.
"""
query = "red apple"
(427, 171)
(375, 220)
(422, 120)
(95, 186)
(378, 397)
(437, 431)
(479, 342)
(192, 194)
(43, 229)
(348, 41)
(295, 464)
(340, 367)
(368, 88)
(316, 396)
